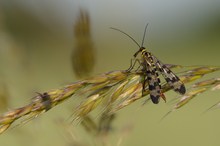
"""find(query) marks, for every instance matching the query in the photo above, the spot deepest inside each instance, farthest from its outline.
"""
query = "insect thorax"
(147, 56)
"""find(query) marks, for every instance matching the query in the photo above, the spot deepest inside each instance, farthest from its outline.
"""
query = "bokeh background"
(37, 40)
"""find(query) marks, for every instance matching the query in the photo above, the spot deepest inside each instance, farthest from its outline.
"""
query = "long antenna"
(144, 35)
(127, 35)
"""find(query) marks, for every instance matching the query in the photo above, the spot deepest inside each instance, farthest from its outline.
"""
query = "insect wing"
(153, 83)
(170, 77)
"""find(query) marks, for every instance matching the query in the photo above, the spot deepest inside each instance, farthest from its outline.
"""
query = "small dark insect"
(45, 100)
(151, 67)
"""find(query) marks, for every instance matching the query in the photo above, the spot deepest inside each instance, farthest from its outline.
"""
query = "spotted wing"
(153, 83)
(170, 77)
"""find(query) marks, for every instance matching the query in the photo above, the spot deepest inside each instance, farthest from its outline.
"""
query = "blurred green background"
(36, 42)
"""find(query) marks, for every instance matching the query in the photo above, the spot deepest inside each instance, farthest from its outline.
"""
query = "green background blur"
(36, 41)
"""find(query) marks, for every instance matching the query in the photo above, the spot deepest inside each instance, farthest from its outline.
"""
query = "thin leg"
(133, 64)
(137, 60)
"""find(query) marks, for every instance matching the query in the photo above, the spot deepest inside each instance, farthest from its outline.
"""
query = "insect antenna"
(142, 43)
(126, 35)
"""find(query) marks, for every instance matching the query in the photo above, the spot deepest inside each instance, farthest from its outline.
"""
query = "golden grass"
(113, 90)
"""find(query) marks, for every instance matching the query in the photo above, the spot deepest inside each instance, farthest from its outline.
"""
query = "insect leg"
(133, 64)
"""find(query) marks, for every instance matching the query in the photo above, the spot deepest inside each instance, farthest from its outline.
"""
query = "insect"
(45, 99)
(151, 67)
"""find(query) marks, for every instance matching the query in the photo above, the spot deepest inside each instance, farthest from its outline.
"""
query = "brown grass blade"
(114, 90)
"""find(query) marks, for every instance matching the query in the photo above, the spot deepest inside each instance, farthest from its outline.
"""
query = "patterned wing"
(170, 77)
(153, 82)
